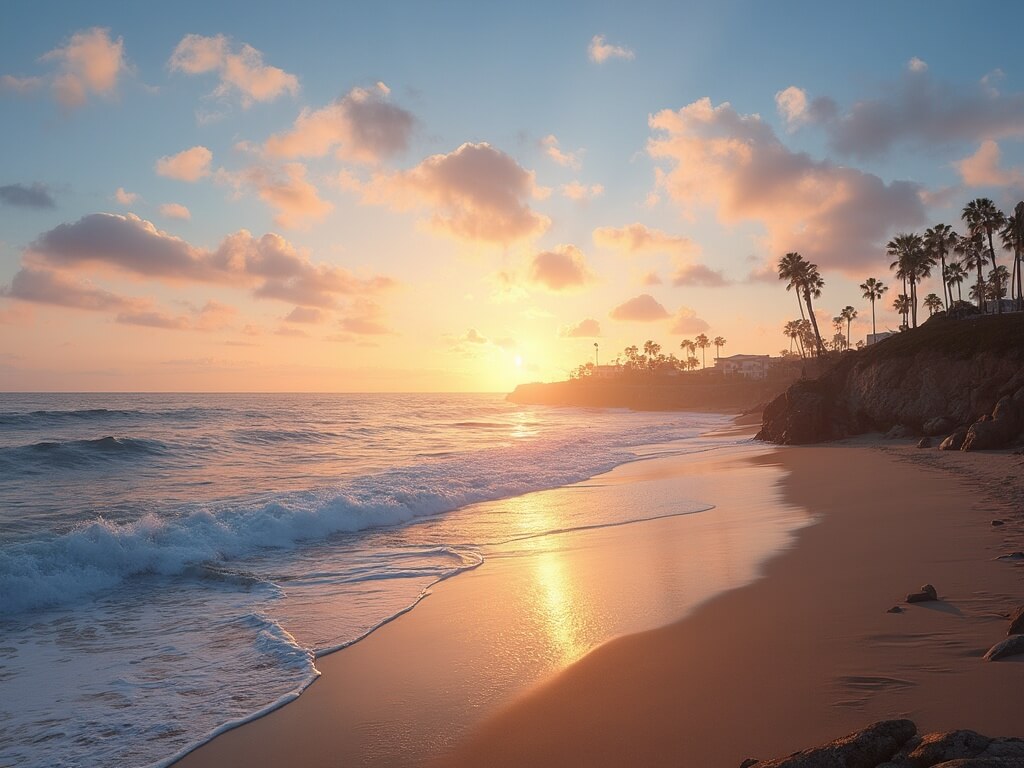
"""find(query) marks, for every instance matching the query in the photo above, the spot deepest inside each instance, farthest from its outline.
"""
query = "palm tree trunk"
(814, 321)
(1017, 259)
(873, 331)
(942, 278)
(981, 293)
(913, 300)
(995, 271)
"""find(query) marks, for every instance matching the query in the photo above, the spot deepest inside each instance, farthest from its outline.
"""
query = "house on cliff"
(747, 366)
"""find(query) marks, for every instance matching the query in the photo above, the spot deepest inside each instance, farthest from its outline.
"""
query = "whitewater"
(172, 565)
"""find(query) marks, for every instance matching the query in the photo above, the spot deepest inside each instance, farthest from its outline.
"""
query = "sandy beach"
(600, 647)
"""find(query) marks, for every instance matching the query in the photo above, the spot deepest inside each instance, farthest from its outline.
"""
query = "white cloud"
(600, 51)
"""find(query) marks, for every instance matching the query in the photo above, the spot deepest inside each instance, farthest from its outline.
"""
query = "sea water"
(172, 565)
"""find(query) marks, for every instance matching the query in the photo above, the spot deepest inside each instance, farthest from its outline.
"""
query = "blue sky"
(505, 75)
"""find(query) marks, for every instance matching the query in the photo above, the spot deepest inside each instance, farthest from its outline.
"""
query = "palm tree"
(983, 217)
(998, 279)
(902, 305)
(792, 331)
(938, 242)
(912, 263)
(849, 314)
(791, 269)
(703, 342)
(873, 289)
(972, 248)
(955, 275)
(932, 303)
(719, 342)
(1012, 236)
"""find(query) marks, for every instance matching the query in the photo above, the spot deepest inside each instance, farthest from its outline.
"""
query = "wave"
(43, 418)
(72, 453)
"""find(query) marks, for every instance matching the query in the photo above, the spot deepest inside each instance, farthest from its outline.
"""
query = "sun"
(519, 361)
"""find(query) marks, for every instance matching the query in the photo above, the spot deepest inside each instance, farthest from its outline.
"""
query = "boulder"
(1016, 622)
(988, 434)
(983, 762)
(866, 748)
(1007, 410)
(895, 609)
(897, 432)
(938, 748)
(924, 442)
(997, 523)
(749, 762)
(937, 425)
(955, 441)
(927, 594)
(1011, 646)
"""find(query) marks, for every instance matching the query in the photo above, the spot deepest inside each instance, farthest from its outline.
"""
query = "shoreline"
(506, 571)
(537, 712)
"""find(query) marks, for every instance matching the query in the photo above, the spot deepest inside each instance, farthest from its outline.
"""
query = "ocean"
(173, 564)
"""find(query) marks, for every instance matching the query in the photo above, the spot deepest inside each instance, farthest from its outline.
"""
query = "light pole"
(595, 355)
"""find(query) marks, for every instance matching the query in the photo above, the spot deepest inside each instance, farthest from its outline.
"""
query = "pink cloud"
(642, 308)
(270, 265)
(175, 211)
(286, 190)
(574, 190)
(241, 70)
(45, 286)
(90, 62)
(154, 319)
(984, 169)
(638, 238)
(362, 127)
(475, 193)
(305, 315)
(125, 198)
(837, 216)
(188, 165)
(588, 328)
(600, 51)
(363, 318)
(566, 159)
(686, 321)
(699, 275)
(562, 268)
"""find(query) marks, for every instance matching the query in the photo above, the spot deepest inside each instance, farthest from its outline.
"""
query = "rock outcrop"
(928, 381)
(894, 744)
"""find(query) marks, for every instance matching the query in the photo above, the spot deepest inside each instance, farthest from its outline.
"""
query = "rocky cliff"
(958, 377)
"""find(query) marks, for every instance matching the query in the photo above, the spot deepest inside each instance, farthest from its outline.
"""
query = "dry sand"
(793, 659)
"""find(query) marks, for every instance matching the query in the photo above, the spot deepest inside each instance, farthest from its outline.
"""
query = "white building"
(748, 366)
(874, 338)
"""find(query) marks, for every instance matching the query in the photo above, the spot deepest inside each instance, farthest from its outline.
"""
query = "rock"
(997, 523)
(1016, 622)
(937, 425)
(955, 441)
(927, 594)
(749, 762)
(1008, 410)
(863, 749)
(988, 434)
(897, 432)
(895, 609)
(1011, 646)
(1006, 747)
(983, 762)
(924, 442)
(937, 748)
(1012, 556)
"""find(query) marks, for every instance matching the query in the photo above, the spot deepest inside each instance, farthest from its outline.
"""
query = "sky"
(460, 196)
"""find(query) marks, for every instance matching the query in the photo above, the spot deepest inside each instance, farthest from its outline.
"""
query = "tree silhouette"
(932, 303)
(873, 289)
(983, 218)
(849, 314)
(703, 342)
(719, 342)
(939, 242)
(972, 249)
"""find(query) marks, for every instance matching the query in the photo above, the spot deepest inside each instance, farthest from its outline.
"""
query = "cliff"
(943, 378)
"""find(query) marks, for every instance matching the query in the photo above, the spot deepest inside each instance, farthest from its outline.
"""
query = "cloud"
(20, 85)
(600, 51)
(698, 274)
(584, 329)
(686, 321)
(917, 65)
(89, 62)
(564, 267)
(638, 238)
(473, 337)
(293, 332)
(572, 160)
(918, 110)
(188, 165)
(270, 265)
(363, 127)
(476, 193)
(214, 316)
(305, 315)
(36, 195)
(45, 286)
(241, 70)
(362, 317)
(642, 308)
(175, 211)
(983, 168)
(792, 105)
(285, 189)
(651, 278)
(125, 198)
(153, 319)
(734, 163)
(574, 190)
